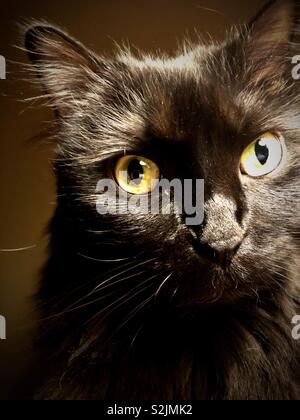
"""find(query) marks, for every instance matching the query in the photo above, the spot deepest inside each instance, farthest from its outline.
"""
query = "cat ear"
(275, 24)
(270, 33)
(63, 65)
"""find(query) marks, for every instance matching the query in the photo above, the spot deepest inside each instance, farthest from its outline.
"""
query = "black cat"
(145, 306)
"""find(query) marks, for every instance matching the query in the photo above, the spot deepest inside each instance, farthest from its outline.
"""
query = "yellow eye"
(263, 156)
(137, 175)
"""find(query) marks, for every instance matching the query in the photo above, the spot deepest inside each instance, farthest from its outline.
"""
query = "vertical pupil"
(135, 171)
(262, 152)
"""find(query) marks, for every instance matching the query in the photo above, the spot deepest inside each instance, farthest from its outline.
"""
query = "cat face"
(227, 114)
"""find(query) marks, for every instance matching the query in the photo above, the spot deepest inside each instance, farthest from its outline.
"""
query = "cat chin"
(215, 300)
(211, 285)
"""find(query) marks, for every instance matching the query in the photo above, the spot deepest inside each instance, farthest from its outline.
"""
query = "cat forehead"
(202, 88)
(176, 93)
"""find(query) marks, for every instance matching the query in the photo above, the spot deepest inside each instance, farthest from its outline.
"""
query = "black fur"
(210, 331)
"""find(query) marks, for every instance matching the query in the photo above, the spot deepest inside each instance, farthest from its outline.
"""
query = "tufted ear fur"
(270, 37)
(63, 64)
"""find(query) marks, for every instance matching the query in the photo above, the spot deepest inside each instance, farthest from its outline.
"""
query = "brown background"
(27, 187)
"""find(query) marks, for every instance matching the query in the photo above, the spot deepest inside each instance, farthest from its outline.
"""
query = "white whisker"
(123, 272)
(26, 248)
(162, 284)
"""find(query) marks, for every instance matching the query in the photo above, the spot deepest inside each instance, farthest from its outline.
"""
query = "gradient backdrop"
(27, 187)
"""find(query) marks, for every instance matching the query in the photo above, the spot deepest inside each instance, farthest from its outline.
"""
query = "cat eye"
(262, 156)
(137, 175)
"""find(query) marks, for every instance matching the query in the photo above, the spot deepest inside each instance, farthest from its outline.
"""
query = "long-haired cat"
(145, 306)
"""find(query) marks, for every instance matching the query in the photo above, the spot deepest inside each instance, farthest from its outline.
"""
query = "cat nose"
(229, 244)
(220, 242)
(221, 251)
(222, 234)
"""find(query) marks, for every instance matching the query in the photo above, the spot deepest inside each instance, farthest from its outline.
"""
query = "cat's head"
(227, 113)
